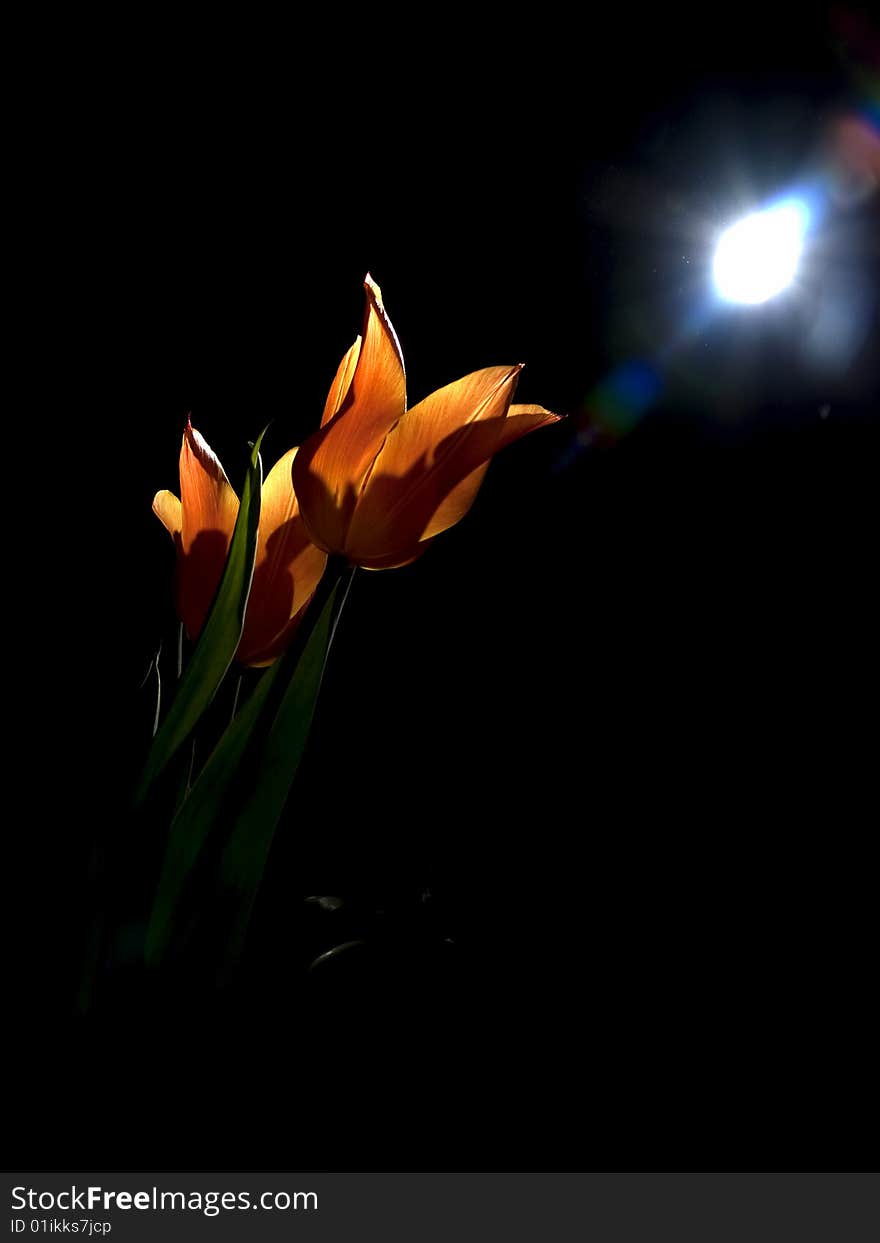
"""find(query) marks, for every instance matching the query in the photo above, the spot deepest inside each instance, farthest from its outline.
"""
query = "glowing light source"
(757, 257)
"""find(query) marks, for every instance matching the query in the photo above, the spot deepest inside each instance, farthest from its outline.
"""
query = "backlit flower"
(378, 482)
(287, 567)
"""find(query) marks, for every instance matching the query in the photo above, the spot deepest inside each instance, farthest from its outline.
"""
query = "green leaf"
(200, 811)
(245, 782)
(244, 858)
(218, 641)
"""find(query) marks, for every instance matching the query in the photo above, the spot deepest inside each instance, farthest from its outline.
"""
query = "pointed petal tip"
(547, 416)
(511, 379)
(195, 442)
(513, 371)
(373, 291)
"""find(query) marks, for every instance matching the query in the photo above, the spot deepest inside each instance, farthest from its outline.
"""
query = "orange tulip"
(287, 567)
(378, 482)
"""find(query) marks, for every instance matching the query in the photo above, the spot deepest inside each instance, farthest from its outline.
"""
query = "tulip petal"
(287, 569)
(209, 508)
(456, 504)
(168, 510)
(259, 657)
(208, 498)
(433, 462)
(331, 466)
(219, 641)
(396, 560)
(519, 422)
(341, 382)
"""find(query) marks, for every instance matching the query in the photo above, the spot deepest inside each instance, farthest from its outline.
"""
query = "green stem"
(247, 851)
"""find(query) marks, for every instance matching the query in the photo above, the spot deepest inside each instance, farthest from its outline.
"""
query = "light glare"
(757, 257)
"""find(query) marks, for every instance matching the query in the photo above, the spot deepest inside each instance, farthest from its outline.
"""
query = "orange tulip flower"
(378, 482)
(287, 567)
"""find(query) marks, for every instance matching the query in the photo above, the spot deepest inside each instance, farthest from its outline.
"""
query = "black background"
(595, 776)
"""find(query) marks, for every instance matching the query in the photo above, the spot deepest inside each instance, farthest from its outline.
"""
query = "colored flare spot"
(616, 405)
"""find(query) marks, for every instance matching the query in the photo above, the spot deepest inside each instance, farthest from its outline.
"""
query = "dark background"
(596, 778)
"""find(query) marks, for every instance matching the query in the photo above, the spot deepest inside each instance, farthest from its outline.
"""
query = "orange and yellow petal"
(456, 503)
(430, 452)
(341, 382)
(209, 508)
(167, 508)
(207, 498)
(331, 466)
(287, 569)
(518, 422)
(395, 560)
(463, 495)
(259, 657)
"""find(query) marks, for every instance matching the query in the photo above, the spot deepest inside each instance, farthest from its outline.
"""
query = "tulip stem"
(235, 698)
(248, 849)
(158, 693)
(189, 771)
(345, 595)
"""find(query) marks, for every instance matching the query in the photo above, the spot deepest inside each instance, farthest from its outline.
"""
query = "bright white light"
(758, 256)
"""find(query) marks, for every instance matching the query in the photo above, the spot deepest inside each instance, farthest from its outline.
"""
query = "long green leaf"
(200, 811)
(242, 788)
(244, 858)
(219, 638)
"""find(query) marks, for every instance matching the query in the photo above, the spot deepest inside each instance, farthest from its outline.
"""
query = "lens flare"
(757, 257)
(853, 159)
